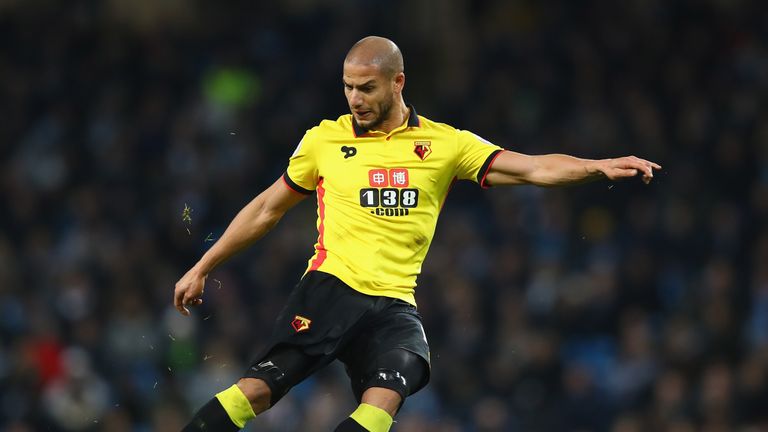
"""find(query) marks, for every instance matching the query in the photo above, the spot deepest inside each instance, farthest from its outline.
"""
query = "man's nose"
(355, 99)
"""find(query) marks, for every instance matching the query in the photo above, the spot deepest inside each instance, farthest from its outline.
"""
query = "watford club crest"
(422, 149)
(300, 323)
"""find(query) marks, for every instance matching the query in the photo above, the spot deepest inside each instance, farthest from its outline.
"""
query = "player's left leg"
(269, 379)
(382, 387)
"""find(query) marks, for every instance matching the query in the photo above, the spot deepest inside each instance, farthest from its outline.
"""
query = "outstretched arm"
(250, 224)
(511, 168)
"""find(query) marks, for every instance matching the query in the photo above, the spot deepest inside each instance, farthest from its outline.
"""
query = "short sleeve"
(302, 172)
(475, 156)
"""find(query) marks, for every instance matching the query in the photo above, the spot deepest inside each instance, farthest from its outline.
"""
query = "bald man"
(381, 175)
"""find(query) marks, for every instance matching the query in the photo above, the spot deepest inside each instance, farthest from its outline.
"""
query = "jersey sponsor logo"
(396, 177)
(389, 194)
(380, 211)
(300, 323)
(348, 151)
(389, 197)
(378, 178)
(422, 149)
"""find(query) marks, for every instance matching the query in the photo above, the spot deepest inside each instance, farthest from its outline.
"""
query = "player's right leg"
(230, 409)
(265, 383)
(320, 299)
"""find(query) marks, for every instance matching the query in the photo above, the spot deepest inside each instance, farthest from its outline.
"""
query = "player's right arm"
(250, 224)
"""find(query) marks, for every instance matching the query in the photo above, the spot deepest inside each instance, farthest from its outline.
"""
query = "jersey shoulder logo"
(422, 149)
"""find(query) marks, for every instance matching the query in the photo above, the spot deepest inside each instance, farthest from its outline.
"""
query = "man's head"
(373, 80)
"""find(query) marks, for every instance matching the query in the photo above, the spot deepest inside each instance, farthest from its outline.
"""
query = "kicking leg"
(232, 408)
(265, 383)
(382, 389)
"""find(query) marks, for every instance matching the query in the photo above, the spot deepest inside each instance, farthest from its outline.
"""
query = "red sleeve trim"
(295, 187)
(483, 173)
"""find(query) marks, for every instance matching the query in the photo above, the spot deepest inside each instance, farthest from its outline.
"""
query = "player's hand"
(189, 291)
(629, 166)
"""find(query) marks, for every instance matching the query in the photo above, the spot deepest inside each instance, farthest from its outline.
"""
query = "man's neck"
(397, 117)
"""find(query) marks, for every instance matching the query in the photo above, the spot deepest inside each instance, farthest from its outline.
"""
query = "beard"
(384, 109)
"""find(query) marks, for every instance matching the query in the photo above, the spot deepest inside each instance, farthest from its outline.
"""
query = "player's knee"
(272, 379)
(385, 385)
(257, 392)
(400, 371)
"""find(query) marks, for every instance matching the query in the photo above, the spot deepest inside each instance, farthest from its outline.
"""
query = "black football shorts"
(324, 319)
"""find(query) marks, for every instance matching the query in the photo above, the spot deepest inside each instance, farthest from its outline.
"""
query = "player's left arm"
(512, 168)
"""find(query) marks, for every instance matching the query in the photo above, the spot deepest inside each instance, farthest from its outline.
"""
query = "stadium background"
(604, 307)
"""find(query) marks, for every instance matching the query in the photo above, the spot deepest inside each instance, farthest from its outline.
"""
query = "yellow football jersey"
(379, 195)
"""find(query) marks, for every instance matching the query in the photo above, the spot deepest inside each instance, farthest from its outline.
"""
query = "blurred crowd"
(603, 307)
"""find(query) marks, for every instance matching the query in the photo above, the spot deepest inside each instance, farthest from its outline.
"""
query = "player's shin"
(228, 411)
(366, 418)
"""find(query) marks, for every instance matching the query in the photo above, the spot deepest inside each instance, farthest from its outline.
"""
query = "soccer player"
(381, 175)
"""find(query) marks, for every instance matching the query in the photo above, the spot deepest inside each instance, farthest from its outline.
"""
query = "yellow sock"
(372, 418)
(236, 405)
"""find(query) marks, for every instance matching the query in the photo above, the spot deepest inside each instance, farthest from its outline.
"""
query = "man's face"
(369, 93)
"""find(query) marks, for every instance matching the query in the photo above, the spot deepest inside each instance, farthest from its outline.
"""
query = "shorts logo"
(300, 323)
(422, 149)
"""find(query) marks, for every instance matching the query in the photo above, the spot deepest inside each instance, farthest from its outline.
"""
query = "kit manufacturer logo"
(348, 151)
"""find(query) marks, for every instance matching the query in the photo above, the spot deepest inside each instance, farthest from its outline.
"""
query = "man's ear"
(399, 82)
